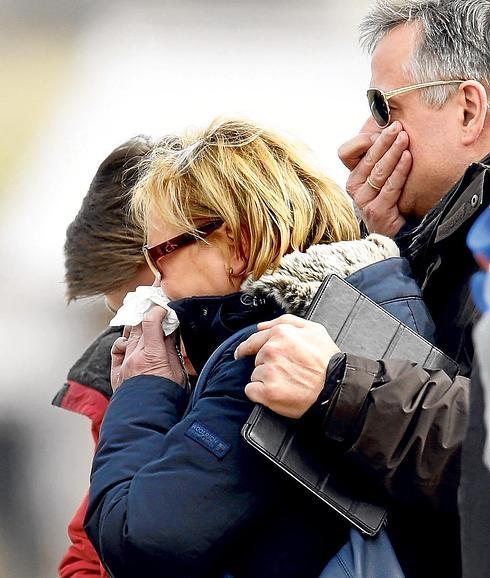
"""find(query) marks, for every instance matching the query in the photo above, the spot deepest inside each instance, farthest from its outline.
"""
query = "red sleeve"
(81, 559)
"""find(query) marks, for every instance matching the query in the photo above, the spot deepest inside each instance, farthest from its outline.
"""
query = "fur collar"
(294, 283)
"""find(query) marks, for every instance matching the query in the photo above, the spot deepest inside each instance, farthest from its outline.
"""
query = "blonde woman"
(241, 227)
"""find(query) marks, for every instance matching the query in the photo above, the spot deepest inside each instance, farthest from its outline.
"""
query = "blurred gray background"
(78, 78)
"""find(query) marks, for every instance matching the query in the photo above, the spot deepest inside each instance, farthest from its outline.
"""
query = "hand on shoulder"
(292, 356)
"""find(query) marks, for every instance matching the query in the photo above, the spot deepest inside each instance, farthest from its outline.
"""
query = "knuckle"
(378, 169)
(119, 345)
(371, 213)
(246, 348)
(352, 192)
(391, 189)
(149, 316)
(351, 181)
(287, 318)
(272, 392)
(341, 151)
(277, 331)
(282, 331)
(389, 186)
(354, 183)
(262, 374)
(271, 351)
(368, 159)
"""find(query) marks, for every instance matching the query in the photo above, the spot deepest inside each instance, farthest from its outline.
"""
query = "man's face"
(435, 144)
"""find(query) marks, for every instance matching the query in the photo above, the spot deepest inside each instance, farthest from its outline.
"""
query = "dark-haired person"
(102, 258)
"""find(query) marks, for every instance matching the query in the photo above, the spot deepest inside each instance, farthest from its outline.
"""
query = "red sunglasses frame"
(155, 253)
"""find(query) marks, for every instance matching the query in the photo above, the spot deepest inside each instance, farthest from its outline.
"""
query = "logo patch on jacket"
(202, 435)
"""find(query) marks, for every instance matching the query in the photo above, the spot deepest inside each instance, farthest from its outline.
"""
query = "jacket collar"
(205, 322)
(91, 371)
(465, 200)
(297, 279)
(94, 366)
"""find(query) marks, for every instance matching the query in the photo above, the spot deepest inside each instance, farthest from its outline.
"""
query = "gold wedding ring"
(371, 184)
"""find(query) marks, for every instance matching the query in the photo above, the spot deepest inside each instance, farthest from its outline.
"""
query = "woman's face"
(199, 268)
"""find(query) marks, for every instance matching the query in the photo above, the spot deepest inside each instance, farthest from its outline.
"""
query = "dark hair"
(103, 244)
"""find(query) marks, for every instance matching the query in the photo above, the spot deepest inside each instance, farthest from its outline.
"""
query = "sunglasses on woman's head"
(154, 254)
(378, 100)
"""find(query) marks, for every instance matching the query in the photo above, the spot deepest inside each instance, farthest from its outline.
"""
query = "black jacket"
(443, 265)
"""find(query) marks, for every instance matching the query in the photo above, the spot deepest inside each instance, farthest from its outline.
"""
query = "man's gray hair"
(454, 40)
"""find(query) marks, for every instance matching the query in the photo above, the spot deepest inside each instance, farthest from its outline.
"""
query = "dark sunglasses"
(378, 100)
(155, 253)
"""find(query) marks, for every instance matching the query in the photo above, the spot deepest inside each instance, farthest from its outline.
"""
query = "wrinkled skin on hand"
(384, 158)
(144, 350)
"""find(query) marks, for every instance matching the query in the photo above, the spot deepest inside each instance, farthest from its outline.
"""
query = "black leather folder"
(361, 327)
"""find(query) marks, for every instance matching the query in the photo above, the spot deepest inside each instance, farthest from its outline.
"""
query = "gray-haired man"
(417, 173)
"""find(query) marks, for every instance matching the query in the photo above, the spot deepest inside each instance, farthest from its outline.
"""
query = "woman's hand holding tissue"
(145, 350)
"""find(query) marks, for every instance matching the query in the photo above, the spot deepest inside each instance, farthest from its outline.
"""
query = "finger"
(391, 191)
(363, 169)
(135, 332)
(283, 319)
(255, 342)
(118, 351)
(119, 346)
(133, 339)
(156, 314)
(252, 345)
(386, 165)
(351, 152)
(255, 391)
(365, 194)
(153, 332)
(382, 214)
(383, 220)
(132, 332)
(266, 374)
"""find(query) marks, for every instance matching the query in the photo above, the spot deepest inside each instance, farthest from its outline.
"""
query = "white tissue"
(138, 302)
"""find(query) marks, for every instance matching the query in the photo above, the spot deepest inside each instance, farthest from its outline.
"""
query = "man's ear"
(474, 109)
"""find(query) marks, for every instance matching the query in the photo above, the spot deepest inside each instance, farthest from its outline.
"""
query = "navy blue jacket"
(176, 492)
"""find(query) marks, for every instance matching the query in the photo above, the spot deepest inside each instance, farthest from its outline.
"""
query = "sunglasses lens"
(379, 107)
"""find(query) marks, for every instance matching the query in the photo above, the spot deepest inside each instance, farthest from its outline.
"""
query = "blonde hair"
(259, 183)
